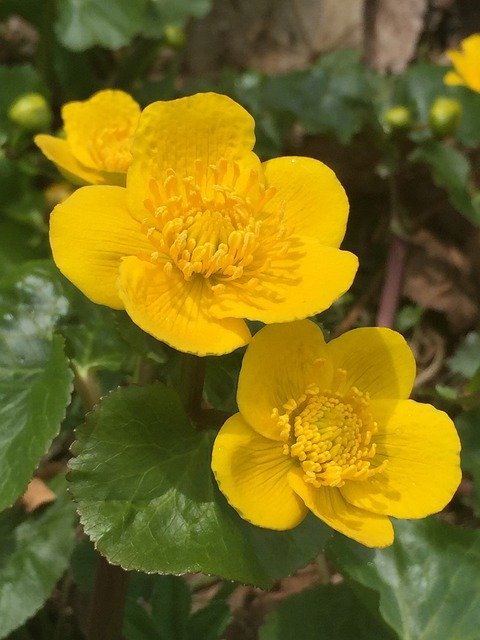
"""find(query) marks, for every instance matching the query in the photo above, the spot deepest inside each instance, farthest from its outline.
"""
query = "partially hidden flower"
(98, 137)
(328, 428)
(466, 62)
(204, 235)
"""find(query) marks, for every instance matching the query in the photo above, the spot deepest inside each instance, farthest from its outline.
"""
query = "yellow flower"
(466, 63)
(328, 428)
(99, 133)
(204, 235)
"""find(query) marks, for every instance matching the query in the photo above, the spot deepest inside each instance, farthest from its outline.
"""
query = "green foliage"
(35, 379)
(325, 612)
(450, 170)
(34, 553)
(148, 500)
(468, 425)
(16, 82)
(425, 579)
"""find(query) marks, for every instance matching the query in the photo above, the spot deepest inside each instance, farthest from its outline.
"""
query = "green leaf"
(18, 245)
(333, 96)
(468, 426)
(148, 500)
(451, 171)
(326, 611)
(161, 13)
(469, 129)
(428, 580)
(34, 552)
(210, 622)
(15, 82)
(35, 379)
(221, 380)
(422, 83)
(466, 359)
(84, 24)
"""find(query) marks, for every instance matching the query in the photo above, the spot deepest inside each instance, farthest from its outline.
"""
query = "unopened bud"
(397, 118)
(31, 112)
(444, 116)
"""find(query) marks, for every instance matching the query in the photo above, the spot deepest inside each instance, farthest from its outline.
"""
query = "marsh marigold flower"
(204, 235)
(99, 133)
(466, 62)
(328, 428)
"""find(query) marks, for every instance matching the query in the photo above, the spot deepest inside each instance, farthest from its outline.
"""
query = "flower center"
(213, 225)
(109, 147)
(331, 436)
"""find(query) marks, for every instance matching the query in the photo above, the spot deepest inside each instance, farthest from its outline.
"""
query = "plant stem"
(192, 378)
(108, 598)
(392, 286)
(108, 602)
(396, 260)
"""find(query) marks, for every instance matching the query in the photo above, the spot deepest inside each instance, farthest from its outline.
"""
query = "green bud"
(397, 118)
(444, 116)
(31, 112)
(175, 36)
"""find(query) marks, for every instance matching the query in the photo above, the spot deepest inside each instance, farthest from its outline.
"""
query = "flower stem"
(396, 260)
(192, 378)
(108, 599)
(392, 286)
(108, 602)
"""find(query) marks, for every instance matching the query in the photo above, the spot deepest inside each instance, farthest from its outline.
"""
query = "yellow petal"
(451, 78)
(376, 359)
(467, 63)
(175, 310)
(100, 130)
(251, 472)
(300, 284)
(58, 151)
(175, 133)
(423, 468)
(89, 234)
(313, 200)
(328, 504)
(281, 361)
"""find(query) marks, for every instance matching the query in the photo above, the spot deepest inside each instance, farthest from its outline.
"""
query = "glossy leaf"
(147, 498)
(35, 379)
(428, 580)
(326, 612)
(34, 553)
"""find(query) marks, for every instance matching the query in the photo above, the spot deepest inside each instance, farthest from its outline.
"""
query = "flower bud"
(444, 116)
(31, 112)
(175, 36)
(397, 118)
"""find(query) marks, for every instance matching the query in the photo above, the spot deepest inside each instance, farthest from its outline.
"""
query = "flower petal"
(175, 310)
(423, 468)
(327, 503)
(313, 200)
(251, 472)
(453, 79)
(108, 118)
(175, 133)
(58, 151)
(279, 364)
(376, 359)
(89, 234)
(300, 284)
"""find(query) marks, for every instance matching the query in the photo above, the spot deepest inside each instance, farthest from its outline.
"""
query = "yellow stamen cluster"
(109, 147)
(213, 225)
(331, 435)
